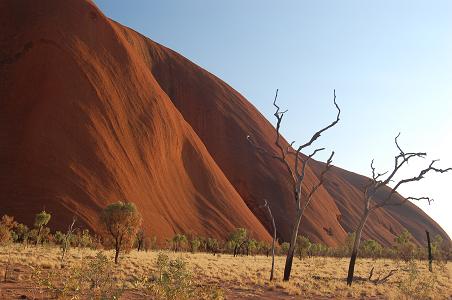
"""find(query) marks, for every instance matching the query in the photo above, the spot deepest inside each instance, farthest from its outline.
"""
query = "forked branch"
(328, 167)
(420, 176)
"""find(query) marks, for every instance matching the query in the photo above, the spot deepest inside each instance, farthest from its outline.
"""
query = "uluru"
(92, 112)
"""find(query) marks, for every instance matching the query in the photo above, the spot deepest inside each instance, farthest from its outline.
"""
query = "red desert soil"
(93, 112)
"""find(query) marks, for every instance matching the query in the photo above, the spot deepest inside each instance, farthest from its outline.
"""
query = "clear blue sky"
(389, 61)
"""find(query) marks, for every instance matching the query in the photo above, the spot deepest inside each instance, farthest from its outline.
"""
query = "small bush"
(195, 243)
(174, 281)
(179, 242)
(284, 248)
(5, 235)
(405, 248)
(371, 248)
(236, 241)
(303, 246)
(41, 219)
(91, 279)
(418, 285)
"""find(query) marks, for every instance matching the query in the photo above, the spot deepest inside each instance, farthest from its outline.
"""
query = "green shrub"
(284, 248)
(41, 220)
(195, 243)
(174, 281)
(179, 242)
(303, 246)
(212, 245)
(237, 239)
(91, 279)
(418, 284)
(405, 248)
(122, 221)
(371, 248)
(22, 233)
(318, 249)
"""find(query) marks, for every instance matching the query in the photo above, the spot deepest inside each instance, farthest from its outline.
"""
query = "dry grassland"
(242, 277)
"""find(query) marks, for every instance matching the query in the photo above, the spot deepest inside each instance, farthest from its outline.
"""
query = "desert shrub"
(121, 221)
(91, 279)
(5, 235)
(7, 225)
(179, 242)
(41, 219)
(346, 249)
(58, 237)
(33, 235)
(418, 284)
(22, 233)
(303, 246)
(284, 248)
(446, 250)
(82, 238)
(8, 222)
(151, 243)
(237, 239)
(195, 243)
(140, 240)
(63, 239)
(264, 248)
(318, 249)
(405, 248)
(97, 242)
(174, 281)
(46, 236)
(212, 245)
(250, 246)
(441, 250)
(371, 248)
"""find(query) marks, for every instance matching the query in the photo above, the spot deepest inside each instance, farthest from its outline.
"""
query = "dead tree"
(429, 247)
(274, 238)
(380, 280)
(296, 171)
(376, 184)
(67, 239)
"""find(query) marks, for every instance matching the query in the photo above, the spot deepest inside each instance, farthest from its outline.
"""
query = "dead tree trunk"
(66, 240)
(356, 242)
(430, 257)
(296, 171)
(377, 184)
(117, 249)
(291, 251)
(273, 240)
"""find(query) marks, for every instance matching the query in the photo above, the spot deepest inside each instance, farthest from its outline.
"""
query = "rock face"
(92, 112)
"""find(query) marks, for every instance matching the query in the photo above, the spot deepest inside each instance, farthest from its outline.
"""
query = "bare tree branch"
(404, 200)
(297, 171)
(376, 176)
(304, 163)
(319, 133)
(375, 184)
(384, 279)
(419, 177)
(321, 180)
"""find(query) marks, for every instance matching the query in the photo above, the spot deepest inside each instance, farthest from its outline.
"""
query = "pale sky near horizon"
(390, 62)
